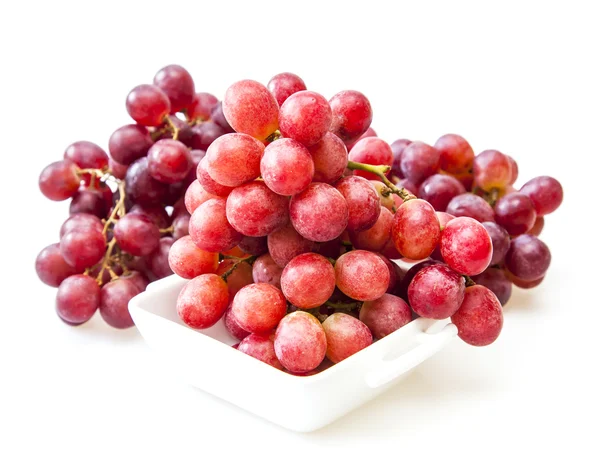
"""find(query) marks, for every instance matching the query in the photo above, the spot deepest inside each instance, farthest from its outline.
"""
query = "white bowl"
(206, 360)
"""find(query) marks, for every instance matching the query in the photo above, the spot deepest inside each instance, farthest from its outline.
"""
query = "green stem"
(249, 260)
(343, 306)
(469, 281)
(380, 171)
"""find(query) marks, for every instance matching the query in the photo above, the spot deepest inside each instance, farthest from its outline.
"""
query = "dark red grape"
(169, 161)
(118, 170)
(158, 260)
(351, 115)
(114, 301)
(416, 229)
(439, 190)
(385, 315)
(456, 155)
(305, 117)
(362, 275)
(371, 150)
(287, 167)
(141, 187)
(129, 143)
(89, 201)
(178, 84)
(204, 134)
(398, 147)
(515, 212)
(59, 180)
(528, 258)
(546, 193)
(218, 117)
(285, 84)
(148, 105)
(137, 278)
(346, 336)
(466, 246)
(300, 342)
(500, 241)
(181, 226)
(471, 205)
(258, 307)
(234, 159)
(266, 270)
(497, 282)
(479, 319)
(419, 161)
(262, 348)
(436, 292)
(81, 221)
(137, 234)
(286, 243)
(82, 248)
(86, 155)
(201, 106)
(254, 245)
(408, 185)
(77, 299)
(523, 284)
(308, 280)
(155, 213)
(362, 200)
(402, 288)
(203, 301)
(51, 267)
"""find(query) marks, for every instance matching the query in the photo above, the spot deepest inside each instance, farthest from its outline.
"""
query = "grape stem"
(273, 137)
(343, 306)
(173, 128)
(380, 171)
(469, 281)
(167, 230)
(250, 259)
(106, 262)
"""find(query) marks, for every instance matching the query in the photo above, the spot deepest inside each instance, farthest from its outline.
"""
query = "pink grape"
(371, 150)
(416, 229)
(210, 229)
(80, 221)
(479, 319)
(537, 227)
(86, 155)
(439, 190)
(148, 105)
(254, 245)
(251, 109)
(285, 84)
(528, 258)
(240, 276)
(234, 159)
(300, 342)
(330, 158)
(471, 205)
(266, 270)
(385, 315)
(362, 200)
(398, 147)
(137, 234)
(362, 275)
(466, 246)
(88, 201)
(346, 336)
(258, 307)
(492, 169)
(169, 161)
(178, 85)
(369, 133)
(210, 185)
(114, 301)
(546, 193)
(351, 115)
(128, 143)
(201, 107)
(82, 248)
(232, 327)
(158, 260)
(456, 154)
(419, 161)
(203, 301)
(196, 195)
(51, 267)
(436, 292)
(515, 212)
(286, 243)
(188, 261)
(77, 299)
(137, 278)
(320, 213)
(287, 167)
(262, 348)
(59, 180)
(514, 170)
(254, 210)
(141, 187)
(118, 170)
(497, 282)
(376, 237)
(305, 117)
(308, 280)
(500, 241)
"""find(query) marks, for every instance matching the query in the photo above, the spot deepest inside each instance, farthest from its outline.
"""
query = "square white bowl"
(206, 360)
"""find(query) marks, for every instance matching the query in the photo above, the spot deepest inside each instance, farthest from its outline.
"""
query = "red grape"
(286, 243)
(51, 267)
(523, 284)
(88, 201)
(515, 213)
(546, 193)
(528, 258)
(169, 161)
(479, 319)
(419, 161)
(251, 109)
(155, 213)
(300, 342)
(137, 278)
(148, 105)
(466, 246)
(456, 155)
(178, 84)
(254, 245)
(141, 187)
(137, 234)
(77, 299)
(466, 179)
(371, 150)
(471, 205)
(210, 229)
(114, 301)
(262, 348)
(436, 292)
(492, 169)
(537, 227)
(320, 213)
(330, 158)
(201, 106)
(497, 282)
(195, 196)
(398, 147)
(258, 307)
(203, 301)
(351, 115)
(240, 276)
(233, 159)
(129, 143)
(218, 117)
(210, 185)
(394, 270)
(82, 248)
(287, 167)
(439, 190)
(232, 327)
(118, 170)
(158, 260)
(308, 280)
(188, 261)
(408, 185)
(346, 336)
(390, 251)
(86, 155)
(305, 117)
(362, 200)
(500, 241)
(376, 237)
(266, 270)
(514, 170)
(59, 180)
(416, 229)
(362, 275)
(285, 84)
(385, 315)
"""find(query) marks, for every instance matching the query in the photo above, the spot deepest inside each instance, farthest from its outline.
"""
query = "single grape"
(305, 117)
(466, 179)
(240, 276)
(346, 336)
(254, 245)
(330, 158)
(320, 213)
(128, 143)
(500, 241)
(251, 109)
(188, 261)
(398, 147)
(285, 84)
(300, 342)
(202, 135)
(266, 270)
(286, 243)
(287, 167)
(178, 84)
(371, 150)
(86, 155)
(471, 205)
(523, 284)
(148, 105)
(369, 133)
(88, 201)
(385, 315)
(466, 246)
(141, 187)
(394, 271)
(528, 258)
(436, 292)
(362, 200)
(203, 301)
(546, 193)
(118, 170)
(218, 117)
(158, 260)
(492, 169)
(514, 170)
(197, 156)
(51, 267)
(537, 227)
(82, 248)
(262, 348)
(59, 180)
(419, 161)
(497, 282)
(259, 307)
(439, 190)
(416, 229)
(361, 275)
(137, 234)
(196, 195)
(156, 213)
(201, 107)
(169, 161)
(390, 251)
(210, 185)
(402, 287)
(77, 299)
(210, 229)
(232, 327)
(376, 237)
(308, 280)
(515, 213)
(114, 301)
(443, 218)
(137, 278)
(234, 159)
(351, 115)
(456, 154)
(479, 319)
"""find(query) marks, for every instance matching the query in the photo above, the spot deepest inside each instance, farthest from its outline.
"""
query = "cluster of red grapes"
(293, 213)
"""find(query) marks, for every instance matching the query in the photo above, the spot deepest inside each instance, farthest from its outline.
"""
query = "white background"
(522, 77)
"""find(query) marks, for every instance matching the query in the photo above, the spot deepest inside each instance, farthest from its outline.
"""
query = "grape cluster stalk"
(287, 213)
